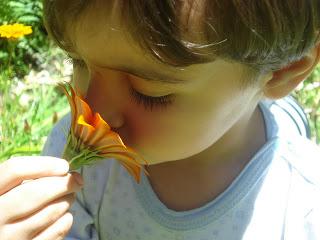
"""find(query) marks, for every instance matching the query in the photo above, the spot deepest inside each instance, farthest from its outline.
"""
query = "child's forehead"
(111, 51)
(114, 53)
(168, 31)
(102, 38)
(108, 49)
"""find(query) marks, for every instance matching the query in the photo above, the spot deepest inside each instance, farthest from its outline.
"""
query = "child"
(185, 84)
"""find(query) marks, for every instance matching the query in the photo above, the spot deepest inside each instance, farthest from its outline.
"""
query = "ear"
(285, 80)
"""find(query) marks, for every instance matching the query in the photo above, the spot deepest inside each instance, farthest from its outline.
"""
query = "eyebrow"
(149, 75)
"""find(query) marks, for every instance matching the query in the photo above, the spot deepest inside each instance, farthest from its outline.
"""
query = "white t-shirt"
(275, 197)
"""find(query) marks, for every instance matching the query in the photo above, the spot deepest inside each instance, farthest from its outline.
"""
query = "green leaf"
(15, 4)
(29, 18)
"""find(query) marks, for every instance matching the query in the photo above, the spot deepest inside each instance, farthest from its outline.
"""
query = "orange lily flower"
(90, 138)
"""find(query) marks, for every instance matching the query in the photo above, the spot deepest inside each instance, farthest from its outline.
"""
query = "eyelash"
(148, 102)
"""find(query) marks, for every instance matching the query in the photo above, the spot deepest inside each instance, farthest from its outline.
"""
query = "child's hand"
(35, 196)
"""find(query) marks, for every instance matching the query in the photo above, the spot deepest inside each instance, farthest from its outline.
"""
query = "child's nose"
(105, 97)
(115, 120)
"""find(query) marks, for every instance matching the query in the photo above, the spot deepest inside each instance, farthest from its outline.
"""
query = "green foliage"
(309, 98)
(29, 51)
(28, 110)
(29, 106)
(24, 127)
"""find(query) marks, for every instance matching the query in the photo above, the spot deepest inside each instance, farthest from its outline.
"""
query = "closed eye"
(150, 102)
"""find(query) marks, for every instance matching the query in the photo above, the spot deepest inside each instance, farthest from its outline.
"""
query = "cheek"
(185, 130)
(145, 127)
(170, 135)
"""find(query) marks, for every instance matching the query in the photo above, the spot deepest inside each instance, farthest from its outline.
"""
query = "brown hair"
(262, 34)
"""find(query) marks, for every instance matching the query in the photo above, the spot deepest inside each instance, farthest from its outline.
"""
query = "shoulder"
(303, 194)
(303, 156)
(286, 117)
(57, 137)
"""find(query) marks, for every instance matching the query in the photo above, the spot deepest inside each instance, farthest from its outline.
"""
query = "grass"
(29, 107)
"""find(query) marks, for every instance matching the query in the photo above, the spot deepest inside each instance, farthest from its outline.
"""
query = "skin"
(36, 193)
(197, 145)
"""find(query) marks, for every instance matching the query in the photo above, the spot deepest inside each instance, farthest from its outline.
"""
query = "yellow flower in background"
(14, 31)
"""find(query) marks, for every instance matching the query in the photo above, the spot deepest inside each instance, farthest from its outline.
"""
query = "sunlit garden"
(30, 102)
(30, 67)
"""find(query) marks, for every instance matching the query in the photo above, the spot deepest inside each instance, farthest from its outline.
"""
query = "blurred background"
(30, 104)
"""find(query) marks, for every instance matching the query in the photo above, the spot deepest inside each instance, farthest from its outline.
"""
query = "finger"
(36, 195)
(51, 214)
(30, 226)
(58, 230)
(17, 169)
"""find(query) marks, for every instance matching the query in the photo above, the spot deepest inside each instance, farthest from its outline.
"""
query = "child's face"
(206, 105)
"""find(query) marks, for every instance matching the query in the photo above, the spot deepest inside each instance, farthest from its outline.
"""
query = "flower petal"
(102, 129)
(82, 109)
(70, 99)
(82, 121)
(124, 150)
(98, 122)
(137, 156)
(110, 138)
(85, 130)
(14, 31)
(133, 168)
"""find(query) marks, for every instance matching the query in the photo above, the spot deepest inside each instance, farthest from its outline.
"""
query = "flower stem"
(78, 156)
(11, 52)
